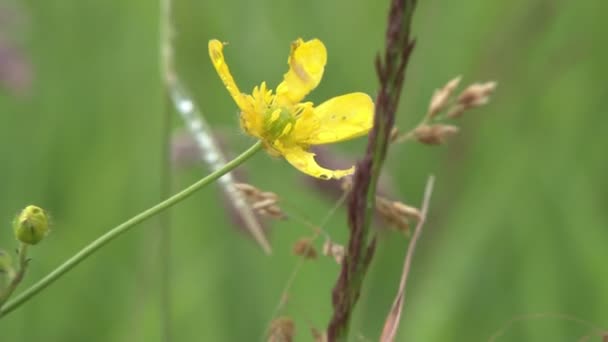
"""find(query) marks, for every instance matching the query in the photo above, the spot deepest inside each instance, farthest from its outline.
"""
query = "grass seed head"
(305, 249)
(334, 250)
(282, 329)
(441, 97)
(434, 134)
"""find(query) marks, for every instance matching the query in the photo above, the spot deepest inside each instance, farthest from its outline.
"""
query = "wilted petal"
(305, 162)
(306, 65)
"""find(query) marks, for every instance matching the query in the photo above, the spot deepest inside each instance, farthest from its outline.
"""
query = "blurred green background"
(519, 218)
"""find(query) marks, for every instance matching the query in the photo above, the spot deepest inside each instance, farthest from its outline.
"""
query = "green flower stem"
(123, 228)
(18, 276)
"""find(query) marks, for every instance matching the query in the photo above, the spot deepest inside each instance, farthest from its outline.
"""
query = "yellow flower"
(288, 126)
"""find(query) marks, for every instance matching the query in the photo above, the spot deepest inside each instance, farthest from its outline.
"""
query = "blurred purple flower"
(15, 68)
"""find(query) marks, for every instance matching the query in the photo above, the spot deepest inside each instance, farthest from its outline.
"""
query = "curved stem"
(16, 279)
(123, 228)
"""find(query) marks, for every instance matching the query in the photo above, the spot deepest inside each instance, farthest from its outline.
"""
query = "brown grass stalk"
(361, 244)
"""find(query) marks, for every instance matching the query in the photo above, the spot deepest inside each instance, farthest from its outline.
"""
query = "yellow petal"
(217, 58)
(338, 119)
(305, 162)
(306, 64)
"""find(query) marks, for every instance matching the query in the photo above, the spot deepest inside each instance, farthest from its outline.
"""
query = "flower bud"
(31, 225)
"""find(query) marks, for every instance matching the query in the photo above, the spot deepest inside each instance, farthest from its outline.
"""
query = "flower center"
(278, 122)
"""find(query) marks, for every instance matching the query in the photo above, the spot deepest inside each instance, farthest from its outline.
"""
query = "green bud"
(31, 225)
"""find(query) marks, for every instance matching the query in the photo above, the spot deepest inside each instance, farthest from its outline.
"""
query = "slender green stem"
(16, 279)
(123, 228)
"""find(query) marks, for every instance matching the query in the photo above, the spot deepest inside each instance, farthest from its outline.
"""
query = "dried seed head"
(274, 212)
(334, 250)
(476, 94)
(247, 189)
(282, 329)
(305, 249)
(396, 214)
(452, 84)
(269, 195)
(441, 96)
(407, 211)
(263, 202)
(456, 111)
(399, 223)
(434, 134)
